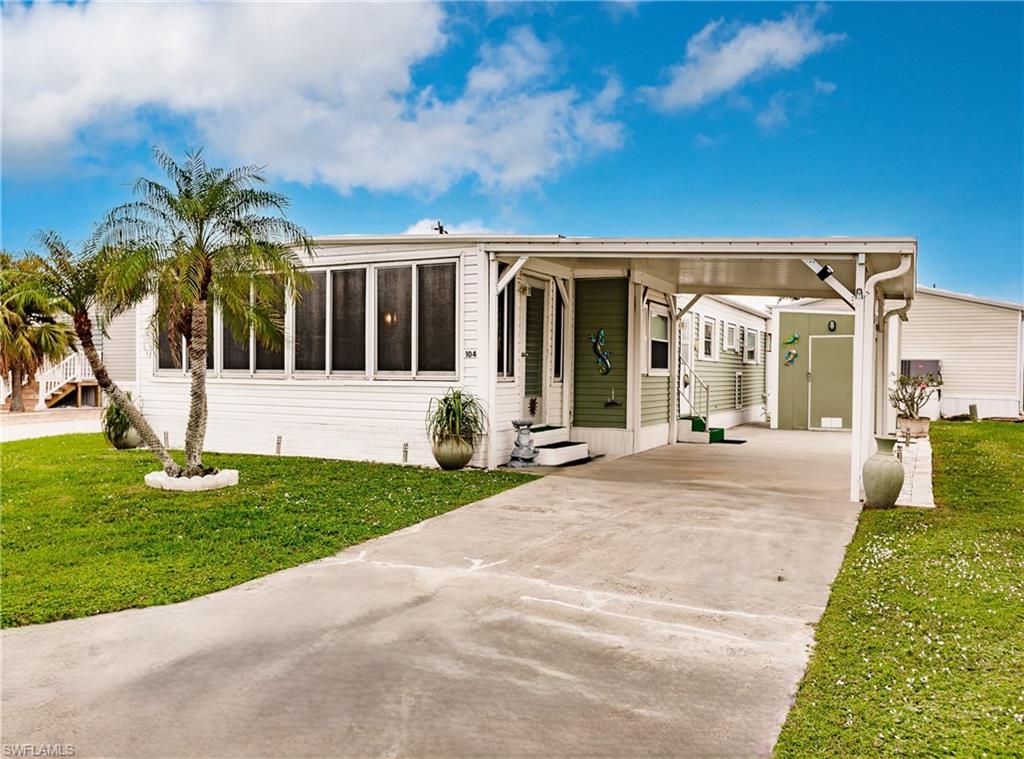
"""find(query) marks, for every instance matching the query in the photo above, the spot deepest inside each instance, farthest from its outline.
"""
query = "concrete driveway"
(655, 605)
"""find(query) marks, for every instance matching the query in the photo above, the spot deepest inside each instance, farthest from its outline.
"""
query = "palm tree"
(76, 284)
(29, 331)
(212, 235)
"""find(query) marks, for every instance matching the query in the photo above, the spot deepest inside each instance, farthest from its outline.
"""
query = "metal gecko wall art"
(599, 342)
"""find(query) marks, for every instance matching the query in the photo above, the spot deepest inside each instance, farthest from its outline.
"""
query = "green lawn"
(81, 534)
(921, 649)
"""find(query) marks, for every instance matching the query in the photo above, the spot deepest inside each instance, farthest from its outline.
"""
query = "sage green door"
(830, 382)
(533, 356)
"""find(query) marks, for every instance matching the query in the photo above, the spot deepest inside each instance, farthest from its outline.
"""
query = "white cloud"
(470, 226)
(722, 57)
(824, 87)
(775, 115)
(703, 141)
(320, 92)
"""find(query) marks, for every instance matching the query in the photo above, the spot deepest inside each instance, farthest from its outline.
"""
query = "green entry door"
(533, 356)
(830, 382)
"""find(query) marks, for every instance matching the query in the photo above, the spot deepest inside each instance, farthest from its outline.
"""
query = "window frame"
(371, 321)
(715, 353)
(369, 372)
(732, 340)
(756, 345)
(504, 300)
(656, 310)
(557, 335)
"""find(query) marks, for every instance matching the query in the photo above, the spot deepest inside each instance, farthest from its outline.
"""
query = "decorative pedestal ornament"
(883, 475)
(524, 453)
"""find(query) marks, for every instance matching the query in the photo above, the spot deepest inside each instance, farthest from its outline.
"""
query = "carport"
(865, 272)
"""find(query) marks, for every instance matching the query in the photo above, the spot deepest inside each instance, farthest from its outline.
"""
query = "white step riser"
(547, 437)
(684, 435)
(564, 455)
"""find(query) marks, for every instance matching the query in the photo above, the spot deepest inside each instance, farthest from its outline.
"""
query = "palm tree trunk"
(83, 328)
(17, 402)
(195, 432)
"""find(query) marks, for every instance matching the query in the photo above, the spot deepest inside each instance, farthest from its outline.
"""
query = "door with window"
(534, 344)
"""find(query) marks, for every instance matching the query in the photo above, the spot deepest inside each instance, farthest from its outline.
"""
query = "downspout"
(869, 411)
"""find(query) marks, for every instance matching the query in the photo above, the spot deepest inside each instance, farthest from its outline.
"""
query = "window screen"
(921, 367)
(559, 333)
(348, 325)
(394, 319)
(236, 354)
(166, 359)
(267, 358)
(435, 318)
(311, 325)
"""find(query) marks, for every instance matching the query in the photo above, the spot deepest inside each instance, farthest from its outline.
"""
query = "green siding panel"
(600, 304)
(654, 400)
(793, 379)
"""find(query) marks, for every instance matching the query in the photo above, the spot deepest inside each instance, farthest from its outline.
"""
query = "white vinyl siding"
(119, 348)
(976, 343)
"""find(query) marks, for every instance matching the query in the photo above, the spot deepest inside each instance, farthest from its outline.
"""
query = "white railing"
(696, 395)
(5, 386)
(52, 377)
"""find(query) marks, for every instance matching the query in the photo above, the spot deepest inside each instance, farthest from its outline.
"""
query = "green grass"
(81, 534)
(921, 649)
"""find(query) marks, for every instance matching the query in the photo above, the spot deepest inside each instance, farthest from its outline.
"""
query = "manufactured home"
(974, 345)
(579, 335)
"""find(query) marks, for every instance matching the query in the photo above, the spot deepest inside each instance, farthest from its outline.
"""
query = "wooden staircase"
(56, 383)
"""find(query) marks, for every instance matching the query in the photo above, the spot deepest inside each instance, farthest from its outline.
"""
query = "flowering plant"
(910, 393)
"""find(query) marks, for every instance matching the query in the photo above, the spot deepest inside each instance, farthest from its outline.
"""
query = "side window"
(750, 346)
(658, 349)
(506, 327)
(708, 338)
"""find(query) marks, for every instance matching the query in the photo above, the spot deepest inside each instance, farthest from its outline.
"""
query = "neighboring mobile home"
(723, 347)
(975, 345)
(579, 335)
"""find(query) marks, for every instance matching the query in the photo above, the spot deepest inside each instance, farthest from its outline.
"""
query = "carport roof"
(722, 266)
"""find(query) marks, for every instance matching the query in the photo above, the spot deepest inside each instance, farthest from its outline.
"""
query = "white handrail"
(52, 377)
(693, 400)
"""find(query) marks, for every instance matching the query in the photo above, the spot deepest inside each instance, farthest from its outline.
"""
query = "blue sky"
(643, 119)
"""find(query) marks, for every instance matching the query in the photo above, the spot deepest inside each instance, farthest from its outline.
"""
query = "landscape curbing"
(225, 478)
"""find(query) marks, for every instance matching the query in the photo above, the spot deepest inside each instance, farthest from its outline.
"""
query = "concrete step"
(563, 452)
(547, 435)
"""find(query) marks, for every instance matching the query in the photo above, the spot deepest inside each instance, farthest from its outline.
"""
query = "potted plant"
(454, 423)
(908, 397)
(117, 427)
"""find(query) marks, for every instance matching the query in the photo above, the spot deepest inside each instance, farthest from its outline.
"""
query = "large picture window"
(348, 320)
(435, 318)
(311, 325)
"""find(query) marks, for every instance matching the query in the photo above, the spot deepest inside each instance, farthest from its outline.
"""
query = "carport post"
(863, 410)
